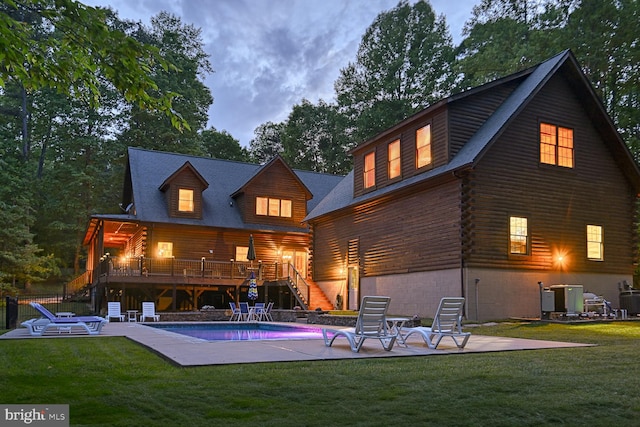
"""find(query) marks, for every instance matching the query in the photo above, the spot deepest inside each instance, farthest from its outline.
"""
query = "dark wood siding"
(186, 180)
(558, 202)
(468, 114)
(407, 135)
(195, 242)
(277, 182)
(415, 231)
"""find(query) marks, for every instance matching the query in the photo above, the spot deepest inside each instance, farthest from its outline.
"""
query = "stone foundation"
(300, 316)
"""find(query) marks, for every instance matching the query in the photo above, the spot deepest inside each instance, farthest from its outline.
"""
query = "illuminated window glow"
(423, 146)
(393, 155)
(595, 245)
(241, 253)
(266, 206)
(518, 235)
(165, 249)
(556, 145)
(185, 200)
(369, 170)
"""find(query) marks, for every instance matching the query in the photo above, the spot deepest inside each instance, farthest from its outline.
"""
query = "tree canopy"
(84, 50)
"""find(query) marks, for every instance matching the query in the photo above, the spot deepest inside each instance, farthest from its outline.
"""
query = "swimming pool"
(236, 331)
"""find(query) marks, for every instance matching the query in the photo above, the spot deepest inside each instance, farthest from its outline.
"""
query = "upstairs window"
(423, 146)
(267, 206)
(185, 200)
(393, 156)
(556, 145)
(370, 170)
(518, 236)
(595, 245)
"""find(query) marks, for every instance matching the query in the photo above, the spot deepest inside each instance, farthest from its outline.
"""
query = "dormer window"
(370, 170)
(423, 146)
(267, 206)
(185, 200)
(393, 155)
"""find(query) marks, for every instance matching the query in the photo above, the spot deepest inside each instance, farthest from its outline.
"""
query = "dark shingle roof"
(149, 169)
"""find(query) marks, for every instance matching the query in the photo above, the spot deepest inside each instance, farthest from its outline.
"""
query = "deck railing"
(192, 268)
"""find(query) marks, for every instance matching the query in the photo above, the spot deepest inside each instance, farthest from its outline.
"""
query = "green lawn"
(114, 382)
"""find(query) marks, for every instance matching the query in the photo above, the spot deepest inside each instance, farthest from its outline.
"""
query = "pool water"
(235, 331)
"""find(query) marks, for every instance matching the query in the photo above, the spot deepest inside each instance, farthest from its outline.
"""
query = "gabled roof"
(265, 168)
(187, 166)
(533, 79)
(149, 170)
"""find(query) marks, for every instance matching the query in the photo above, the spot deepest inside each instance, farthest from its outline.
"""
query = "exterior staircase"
(318, 298)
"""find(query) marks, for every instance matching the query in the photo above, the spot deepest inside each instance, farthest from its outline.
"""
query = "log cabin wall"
(195, 242)
(406, 133)
(559, 202)
(415, 231)
(276, 182)
(186, 179)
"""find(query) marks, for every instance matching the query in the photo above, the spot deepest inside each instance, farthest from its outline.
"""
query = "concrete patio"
(186, 351)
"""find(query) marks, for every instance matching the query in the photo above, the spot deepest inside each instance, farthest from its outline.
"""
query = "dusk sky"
(268, 55)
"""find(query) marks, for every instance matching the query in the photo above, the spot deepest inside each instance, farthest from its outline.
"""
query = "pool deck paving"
(187, 351)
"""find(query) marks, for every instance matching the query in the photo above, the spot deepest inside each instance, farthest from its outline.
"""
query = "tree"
(85, 51)
(221, 145)
(267, 142)
(312, 139)
(182, 46)
(404, 63)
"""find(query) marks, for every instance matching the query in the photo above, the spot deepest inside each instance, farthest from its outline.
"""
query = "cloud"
(269, 55)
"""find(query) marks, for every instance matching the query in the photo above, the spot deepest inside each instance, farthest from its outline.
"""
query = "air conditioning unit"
(568, 298)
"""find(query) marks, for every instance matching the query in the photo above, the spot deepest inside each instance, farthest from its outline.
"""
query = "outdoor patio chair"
(371, 323)
(92, 325)
(235, 312)
(257, 313)
(149, 311)
(447, 322)
(267, 312)
(244, 311)
(114, 310)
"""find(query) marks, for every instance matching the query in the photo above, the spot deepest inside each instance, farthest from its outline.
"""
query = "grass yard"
(111, 381)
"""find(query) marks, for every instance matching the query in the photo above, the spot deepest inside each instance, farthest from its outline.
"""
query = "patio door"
(296, 258)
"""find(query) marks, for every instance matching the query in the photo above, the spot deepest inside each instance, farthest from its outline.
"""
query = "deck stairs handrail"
(298, 286)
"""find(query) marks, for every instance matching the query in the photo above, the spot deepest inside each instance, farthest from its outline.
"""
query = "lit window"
(185, 200)
(262, 204)
(423, 146)
(285, 208)
(518, 235)
(165, 249)
(393, 154)
(369, 170)
(273, 207)
(556, 145)
(241, 253)
(595, 246)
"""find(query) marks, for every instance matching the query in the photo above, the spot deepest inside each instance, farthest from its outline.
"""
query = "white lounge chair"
(371, 323)
(92, 325)
(149, 311)
(447, 322)
(114, 311)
